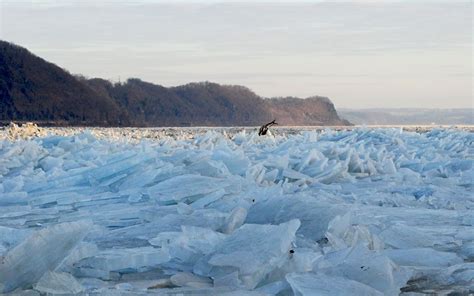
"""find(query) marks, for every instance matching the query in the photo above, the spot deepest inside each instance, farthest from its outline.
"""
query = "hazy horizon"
(359, 54)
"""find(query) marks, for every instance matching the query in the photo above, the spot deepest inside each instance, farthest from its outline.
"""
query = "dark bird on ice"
(264, 128)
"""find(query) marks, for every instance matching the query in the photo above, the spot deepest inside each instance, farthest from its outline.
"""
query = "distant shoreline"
(409, 116)
(43, 124)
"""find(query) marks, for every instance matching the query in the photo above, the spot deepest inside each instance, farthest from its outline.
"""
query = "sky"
(360, 54)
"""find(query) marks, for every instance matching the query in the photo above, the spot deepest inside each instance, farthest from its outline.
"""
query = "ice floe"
(226, 212)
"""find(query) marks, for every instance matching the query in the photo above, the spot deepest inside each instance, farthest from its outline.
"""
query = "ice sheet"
(210, 211)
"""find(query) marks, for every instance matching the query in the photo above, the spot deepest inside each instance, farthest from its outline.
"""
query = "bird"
(264, 128)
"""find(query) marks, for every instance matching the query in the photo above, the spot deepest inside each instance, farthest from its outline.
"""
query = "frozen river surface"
(225, 212)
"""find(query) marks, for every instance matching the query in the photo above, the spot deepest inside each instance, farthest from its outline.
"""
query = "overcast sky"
(360, 53)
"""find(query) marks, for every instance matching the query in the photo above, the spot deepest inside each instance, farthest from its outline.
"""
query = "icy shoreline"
(222, 211)
(156, 133)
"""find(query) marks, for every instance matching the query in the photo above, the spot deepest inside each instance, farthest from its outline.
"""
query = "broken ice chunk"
(454, 280)
(58, 283)
(28, 292)
(124, 287)
(277, 161)
(255, 173)
(308, 284)
(42, 251)
(235, 161)
(271, 176)
(14, 198)
(275, 288)
(295, 175)
(314, 215)
(343, 232)
(312, 156)
(10, 237)
(83, 250)
(208, 199)
(130, 260)
(185, 279)
(467, 251)
(209, 168)
(368, 267)
(48, 163)
(423, 257)
(184, 209)
(185, 186)
(139, 179)
(402, 236)
(13, 184)
(235, 220)
(188, 246)
(228, 280)
(388, 166)
(138, 235)
(252, 250)
(297, 260)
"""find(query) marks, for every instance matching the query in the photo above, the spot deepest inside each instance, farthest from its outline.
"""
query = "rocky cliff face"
(32, 89)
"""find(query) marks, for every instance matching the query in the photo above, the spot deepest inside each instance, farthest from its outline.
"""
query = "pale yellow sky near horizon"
(360, 54)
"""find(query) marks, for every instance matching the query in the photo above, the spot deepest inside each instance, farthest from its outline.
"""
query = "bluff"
(32, 89)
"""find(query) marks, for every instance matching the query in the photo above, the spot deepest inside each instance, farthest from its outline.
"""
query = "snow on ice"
(226, 212)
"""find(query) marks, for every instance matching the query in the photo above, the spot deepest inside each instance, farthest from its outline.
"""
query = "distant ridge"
(32, 89)
(409, 116)
(36, 90)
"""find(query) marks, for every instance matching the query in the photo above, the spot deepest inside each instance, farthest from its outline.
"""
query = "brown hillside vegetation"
(32, 89)
(36, 90)
(309, 111)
